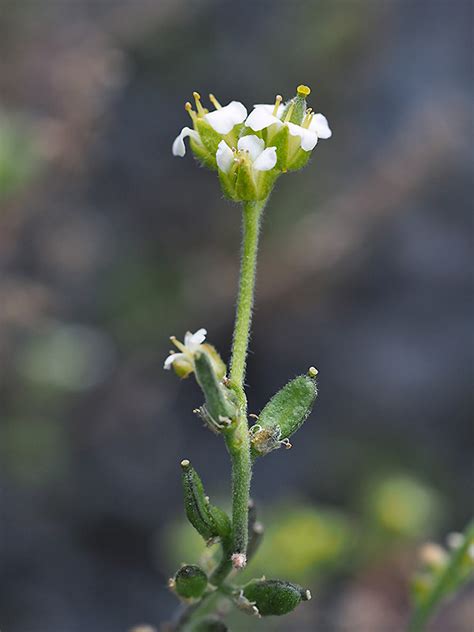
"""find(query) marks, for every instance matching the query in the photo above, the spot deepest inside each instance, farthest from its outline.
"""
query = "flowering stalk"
(238, 443)
(249, 153)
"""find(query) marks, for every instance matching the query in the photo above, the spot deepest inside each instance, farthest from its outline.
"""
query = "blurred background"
(108, 245)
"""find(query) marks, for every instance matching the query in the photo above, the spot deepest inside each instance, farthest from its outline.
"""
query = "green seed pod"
(284, 414)
(274, 596)
(210, 624)
(208, 520)
(219, 399)
(195, 501)
(190, 581)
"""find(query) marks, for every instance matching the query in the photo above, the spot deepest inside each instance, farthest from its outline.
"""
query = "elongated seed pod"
(195, 502)
(274, 596)
(218, 398)
(285, 413)
(208, 520)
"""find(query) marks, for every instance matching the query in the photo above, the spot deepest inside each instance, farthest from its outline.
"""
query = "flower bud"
(190, 581)
(284, 414)
(274, 596)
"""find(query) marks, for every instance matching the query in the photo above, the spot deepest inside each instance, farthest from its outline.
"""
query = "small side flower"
(210, 128)
(183, 362)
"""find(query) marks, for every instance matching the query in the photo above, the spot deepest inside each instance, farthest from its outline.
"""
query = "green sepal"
(299, 160)
(208, 135)
(210, 624)
(245, 187)
(266, 182)
(284, 414)
(280, 140)
(228, 185)
(274, 596)
(190, 581)
(203, 155)
(208, 520)
(219, 399)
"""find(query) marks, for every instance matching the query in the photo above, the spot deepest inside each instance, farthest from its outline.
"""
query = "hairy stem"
(238, 441)
(442, 587)
(251, 225)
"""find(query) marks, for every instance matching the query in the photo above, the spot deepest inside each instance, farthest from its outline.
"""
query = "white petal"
(260, 118)
(192, 341)
(169, 360)
(179, 148)
(199, 337)
(270, 107)
(320, 125)
(309, 138)
(253, 144)
(224, 156)
(224, 119)
(266, 160)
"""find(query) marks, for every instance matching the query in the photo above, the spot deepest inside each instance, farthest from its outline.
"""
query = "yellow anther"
(189, 109)
(199, 108)
(278, 100)
(214, 102)
(303, 91)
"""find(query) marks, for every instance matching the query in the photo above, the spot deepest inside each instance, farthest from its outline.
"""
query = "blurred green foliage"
(19, 158)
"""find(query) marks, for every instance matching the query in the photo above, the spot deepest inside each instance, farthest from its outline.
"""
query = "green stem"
(443, 584)
(251, 225)
(238, 441)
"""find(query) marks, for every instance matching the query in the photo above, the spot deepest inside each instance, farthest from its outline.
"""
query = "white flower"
(191, 344)
(314, 126)
(261, 159)
(222, 120)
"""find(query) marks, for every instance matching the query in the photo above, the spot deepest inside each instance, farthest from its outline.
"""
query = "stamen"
(303, 90)
(200, 110)
(278, 100)
(307, 120)
(290, 112)
(189, 109)
(214, 102)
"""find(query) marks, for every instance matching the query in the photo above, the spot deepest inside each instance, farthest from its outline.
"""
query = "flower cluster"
(249, 151)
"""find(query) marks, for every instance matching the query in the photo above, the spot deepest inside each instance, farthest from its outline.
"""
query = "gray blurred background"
(108, 245)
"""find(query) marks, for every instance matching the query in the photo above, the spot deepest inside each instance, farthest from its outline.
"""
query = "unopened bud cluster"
(249, 151)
